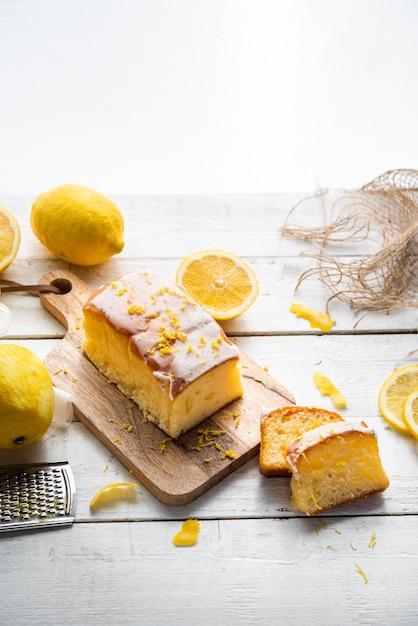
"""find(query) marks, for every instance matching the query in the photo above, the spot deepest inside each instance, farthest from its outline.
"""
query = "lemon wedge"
(113, 492)
(393, 394)
(223, 283)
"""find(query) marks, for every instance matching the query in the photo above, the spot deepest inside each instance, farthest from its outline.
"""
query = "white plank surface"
(241, 572)
(255, 555)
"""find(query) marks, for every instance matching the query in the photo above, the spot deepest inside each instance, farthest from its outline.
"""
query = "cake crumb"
(229, 454)
(163, 444)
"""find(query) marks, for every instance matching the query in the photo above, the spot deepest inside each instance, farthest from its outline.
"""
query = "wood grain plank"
(269, 315)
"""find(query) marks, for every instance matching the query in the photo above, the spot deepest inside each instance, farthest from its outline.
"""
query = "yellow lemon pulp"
(393, 394)
(220, 281)
(113, 492)
(9, 238)
(78, 224)
(410, 413)
(188, 534)
(26, 397)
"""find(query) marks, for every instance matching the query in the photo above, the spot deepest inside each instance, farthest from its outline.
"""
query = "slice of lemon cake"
(281, 426)
(334, 464)
(162, 349)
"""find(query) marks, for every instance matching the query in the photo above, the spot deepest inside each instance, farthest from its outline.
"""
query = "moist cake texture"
(334, 464)
(162, 349)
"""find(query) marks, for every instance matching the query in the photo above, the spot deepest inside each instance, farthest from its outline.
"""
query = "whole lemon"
(78, 224)
(26, 397)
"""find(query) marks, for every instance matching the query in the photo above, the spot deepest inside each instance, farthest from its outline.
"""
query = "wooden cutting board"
(174, 471)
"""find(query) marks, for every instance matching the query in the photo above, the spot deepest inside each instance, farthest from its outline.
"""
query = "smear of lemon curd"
(316, 318)
(109, 494)
(189, 533)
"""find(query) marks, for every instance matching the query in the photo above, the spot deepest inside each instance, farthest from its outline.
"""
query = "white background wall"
(206, 96)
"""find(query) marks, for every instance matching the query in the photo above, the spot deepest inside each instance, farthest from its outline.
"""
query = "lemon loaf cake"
(281, 426)
(162, 349)
(334, 464)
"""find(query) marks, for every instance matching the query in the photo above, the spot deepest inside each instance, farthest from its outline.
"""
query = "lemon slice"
(113, 492)
(393, 394)
(9, 238)
(410, 413)
(220, 281)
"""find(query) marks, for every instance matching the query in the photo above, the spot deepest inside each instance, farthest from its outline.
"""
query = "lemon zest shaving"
(362, 573)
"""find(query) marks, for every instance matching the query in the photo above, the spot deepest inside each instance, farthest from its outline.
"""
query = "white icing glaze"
(171, 333)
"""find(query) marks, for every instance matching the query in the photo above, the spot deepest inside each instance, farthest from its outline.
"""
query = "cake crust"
(281, 426)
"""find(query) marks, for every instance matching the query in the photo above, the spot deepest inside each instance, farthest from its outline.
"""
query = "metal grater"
(36, 496)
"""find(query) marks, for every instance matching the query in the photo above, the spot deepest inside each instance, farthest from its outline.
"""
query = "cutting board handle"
(66, 306)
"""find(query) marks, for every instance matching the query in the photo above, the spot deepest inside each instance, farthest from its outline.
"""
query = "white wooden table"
(256, 561)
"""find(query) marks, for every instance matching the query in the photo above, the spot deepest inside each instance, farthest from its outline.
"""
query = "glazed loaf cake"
(162, 350)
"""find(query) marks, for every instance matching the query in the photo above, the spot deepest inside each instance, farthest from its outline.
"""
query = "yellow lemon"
(78, 224)
(9, 238)
(26, 397)
(394, 393)
(220, 281)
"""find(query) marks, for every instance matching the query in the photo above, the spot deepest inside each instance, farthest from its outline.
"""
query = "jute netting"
(384, 211)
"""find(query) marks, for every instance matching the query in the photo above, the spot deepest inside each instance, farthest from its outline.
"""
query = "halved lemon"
(9, 238)
(223, 283)
(410, 413)
(113, 492)
(394, 393)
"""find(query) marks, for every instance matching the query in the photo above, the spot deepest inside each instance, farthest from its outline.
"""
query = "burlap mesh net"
(384, 211)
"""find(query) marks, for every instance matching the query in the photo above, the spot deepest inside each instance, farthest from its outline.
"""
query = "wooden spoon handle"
(67, 305)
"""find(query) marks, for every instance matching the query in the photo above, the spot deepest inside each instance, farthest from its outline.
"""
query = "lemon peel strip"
(188, 534)
(316, 318)
(327, 388)
(112, 492)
